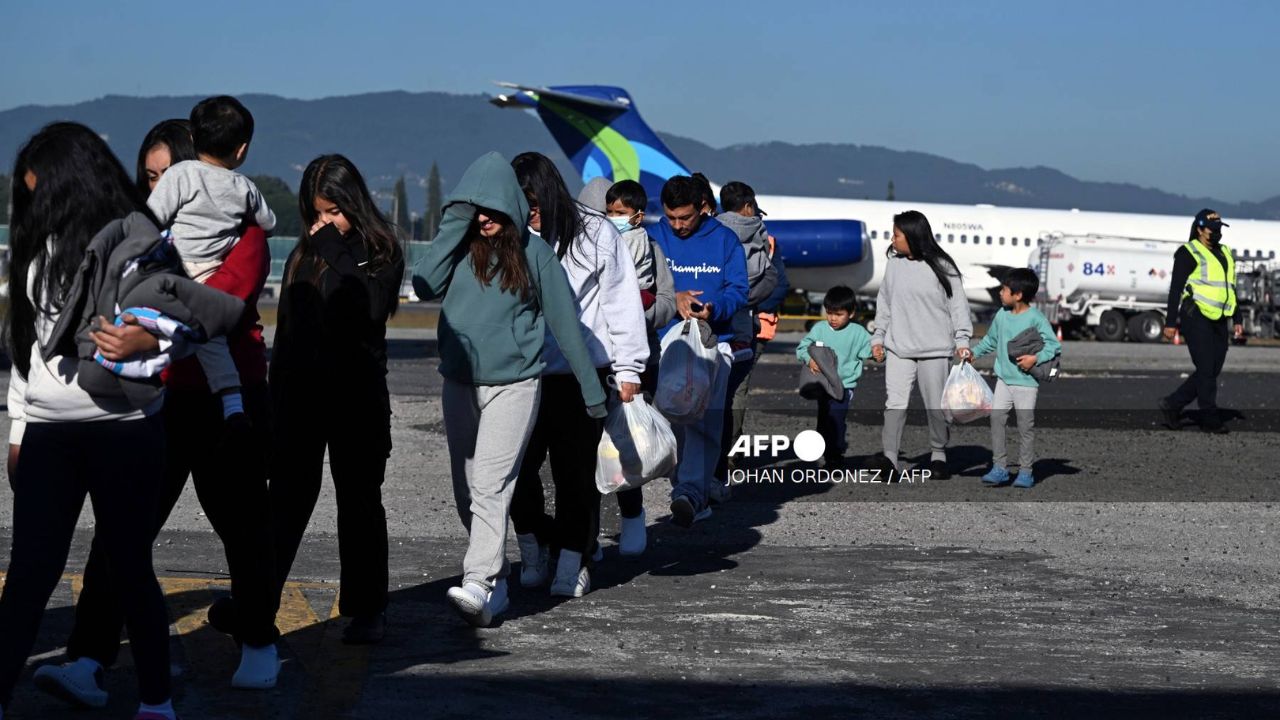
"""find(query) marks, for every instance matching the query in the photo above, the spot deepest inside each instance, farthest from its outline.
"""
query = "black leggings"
(358, 443)
(1207, 341)
(229, 474)
(119, 465)
(566, 433)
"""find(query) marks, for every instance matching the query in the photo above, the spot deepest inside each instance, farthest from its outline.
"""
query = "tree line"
(284, 201)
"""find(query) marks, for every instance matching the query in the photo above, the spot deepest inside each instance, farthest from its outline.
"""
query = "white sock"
(232, 403)
(165, 708)
(86, 665)
(257, 664)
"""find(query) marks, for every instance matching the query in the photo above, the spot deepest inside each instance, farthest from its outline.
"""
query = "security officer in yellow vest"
(1202, 302)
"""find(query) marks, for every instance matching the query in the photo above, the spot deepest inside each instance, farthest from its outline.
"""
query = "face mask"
(621, 222)
(1215, 236)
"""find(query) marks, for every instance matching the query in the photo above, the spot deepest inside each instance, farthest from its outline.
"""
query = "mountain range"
(389, 134)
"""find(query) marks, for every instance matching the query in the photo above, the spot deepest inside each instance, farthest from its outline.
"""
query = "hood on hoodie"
(744, 227)
(594, 194)
(491, 183)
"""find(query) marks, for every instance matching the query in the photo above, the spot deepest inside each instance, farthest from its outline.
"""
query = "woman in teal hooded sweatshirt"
(501, 293)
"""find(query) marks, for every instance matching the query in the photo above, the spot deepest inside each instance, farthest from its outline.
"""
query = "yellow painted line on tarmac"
(335, 681)
(334, 672)
(77, 586)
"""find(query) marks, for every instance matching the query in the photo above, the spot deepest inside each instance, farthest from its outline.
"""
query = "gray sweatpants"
(900, 375)
(487, 427)
(1023, 400)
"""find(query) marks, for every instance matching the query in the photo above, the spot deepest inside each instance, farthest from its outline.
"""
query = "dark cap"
(1210, 219)
(734, 195)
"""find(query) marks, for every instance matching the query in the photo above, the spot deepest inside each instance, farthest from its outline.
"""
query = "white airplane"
(831, 241)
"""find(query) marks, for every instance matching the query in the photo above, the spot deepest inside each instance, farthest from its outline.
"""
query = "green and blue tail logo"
(601, 132)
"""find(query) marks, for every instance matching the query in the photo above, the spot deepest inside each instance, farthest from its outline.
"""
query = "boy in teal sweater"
(1015, 387)
(852, 345)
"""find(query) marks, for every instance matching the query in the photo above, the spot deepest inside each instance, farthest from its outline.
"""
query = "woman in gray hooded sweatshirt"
(922, 320)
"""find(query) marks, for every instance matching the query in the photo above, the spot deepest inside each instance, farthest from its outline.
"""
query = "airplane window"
(964, 239)
(951, 238)
(873, 234)
(1273, 254)
(938, 237)
(988, 239)
(1027, 242)
(1001, 241)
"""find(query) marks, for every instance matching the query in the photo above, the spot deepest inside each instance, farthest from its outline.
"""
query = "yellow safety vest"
(1212, 286)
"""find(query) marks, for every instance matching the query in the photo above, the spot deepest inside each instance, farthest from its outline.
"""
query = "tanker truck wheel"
(1146, 327)
(1111, 326)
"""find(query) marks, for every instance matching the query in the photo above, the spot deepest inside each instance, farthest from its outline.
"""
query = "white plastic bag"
(966, 396)
(637, 446)
(686, 373)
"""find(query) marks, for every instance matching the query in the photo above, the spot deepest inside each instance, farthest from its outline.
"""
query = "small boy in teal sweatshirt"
(852, 345)
(1015, 387)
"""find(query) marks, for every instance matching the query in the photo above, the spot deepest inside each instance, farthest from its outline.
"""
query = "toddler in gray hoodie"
(623, 204)
(206, 205)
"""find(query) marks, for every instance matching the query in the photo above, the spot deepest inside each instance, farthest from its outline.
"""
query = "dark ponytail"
(915, 226)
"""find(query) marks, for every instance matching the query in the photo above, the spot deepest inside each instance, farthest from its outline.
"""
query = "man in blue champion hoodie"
(710, 272)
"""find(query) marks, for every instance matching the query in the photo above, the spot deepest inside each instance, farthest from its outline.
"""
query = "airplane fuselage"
(980, 237)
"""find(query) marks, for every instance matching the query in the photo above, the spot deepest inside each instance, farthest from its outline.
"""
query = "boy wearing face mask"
(624, 206)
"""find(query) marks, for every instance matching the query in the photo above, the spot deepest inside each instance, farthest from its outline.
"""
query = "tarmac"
(1136, 580)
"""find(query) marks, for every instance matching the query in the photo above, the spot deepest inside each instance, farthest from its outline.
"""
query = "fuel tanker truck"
(1115, 287)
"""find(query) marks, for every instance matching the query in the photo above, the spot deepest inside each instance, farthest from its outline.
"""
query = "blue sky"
(1176, 95)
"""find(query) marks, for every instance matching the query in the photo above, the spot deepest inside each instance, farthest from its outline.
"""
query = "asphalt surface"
(1137, 580)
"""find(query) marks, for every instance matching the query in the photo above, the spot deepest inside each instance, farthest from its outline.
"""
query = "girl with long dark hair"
(502, 291)
(342, 283)
(922, 320)
(69, 190)
(229, 474)
(602, 277)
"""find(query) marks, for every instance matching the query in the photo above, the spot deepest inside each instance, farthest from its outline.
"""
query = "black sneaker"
(938, 470)
(365, 630)
(881, 462)
(682, 511)
(1172, 415)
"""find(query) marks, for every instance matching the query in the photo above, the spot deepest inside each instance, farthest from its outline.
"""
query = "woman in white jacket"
(603, 278)
(69, 187)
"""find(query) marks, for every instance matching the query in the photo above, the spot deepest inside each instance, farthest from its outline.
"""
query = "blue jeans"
(832, 424)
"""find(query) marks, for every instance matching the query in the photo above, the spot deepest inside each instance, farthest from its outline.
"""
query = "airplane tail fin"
(602, 133)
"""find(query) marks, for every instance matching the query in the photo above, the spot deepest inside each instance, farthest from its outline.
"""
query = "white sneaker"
(534, 559)
(478, 606)
(572, 580)
(635, 536)
(259, 668)
(76, 682)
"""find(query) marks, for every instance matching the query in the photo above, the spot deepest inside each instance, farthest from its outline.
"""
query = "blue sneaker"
(1025, 479)
(999, 475)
